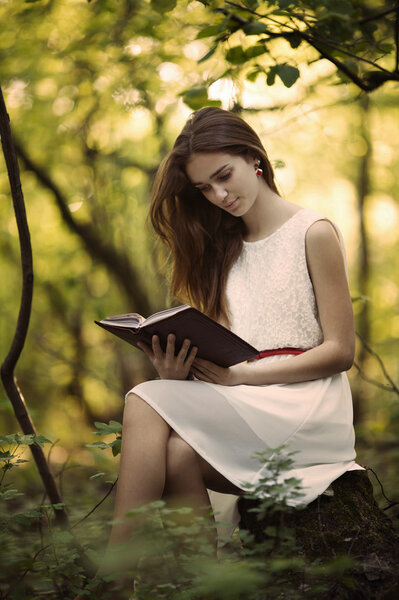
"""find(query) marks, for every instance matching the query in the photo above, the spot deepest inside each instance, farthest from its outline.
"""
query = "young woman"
(275, 274)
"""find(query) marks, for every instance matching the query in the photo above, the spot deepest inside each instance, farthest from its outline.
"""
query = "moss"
(346, 523)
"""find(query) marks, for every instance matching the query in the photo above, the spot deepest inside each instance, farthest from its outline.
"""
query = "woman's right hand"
(166, 363)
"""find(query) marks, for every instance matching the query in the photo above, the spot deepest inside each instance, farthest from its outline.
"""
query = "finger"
(146, 349)
(191, 357)
(205, 366)
(170, 346)
(200, 375)
(196, 369)
(183, 350)
(156, 348)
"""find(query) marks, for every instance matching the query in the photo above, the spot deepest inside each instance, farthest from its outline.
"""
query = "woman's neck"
(267, 214)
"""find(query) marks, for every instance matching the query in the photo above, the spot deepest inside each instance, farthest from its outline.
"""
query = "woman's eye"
(225, 176)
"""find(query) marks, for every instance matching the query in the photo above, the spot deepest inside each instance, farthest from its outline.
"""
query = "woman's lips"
(231, 204)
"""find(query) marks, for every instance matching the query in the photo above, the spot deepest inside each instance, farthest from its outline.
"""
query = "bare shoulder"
(322, 231)
(324, 254)
(322, 239)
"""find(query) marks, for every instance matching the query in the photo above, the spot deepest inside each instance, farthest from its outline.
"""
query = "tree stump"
(344, 522)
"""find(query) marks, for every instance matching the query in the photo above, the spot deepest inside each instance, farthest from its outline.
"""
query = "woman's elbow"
(346, 356)
(347, 362)
(341, 355)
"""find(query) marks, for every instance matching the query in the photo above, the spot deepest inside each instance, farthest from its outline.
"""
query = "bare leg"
(184, 486)
(142, 465)
(188, 476)
(155, 463)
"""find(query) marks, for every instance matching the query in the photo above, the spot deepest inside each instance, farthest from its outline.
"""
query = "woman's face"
(226, 180)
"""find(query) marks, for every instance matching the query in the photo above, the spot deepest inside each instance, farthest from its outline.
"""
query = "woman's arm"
(335, 353)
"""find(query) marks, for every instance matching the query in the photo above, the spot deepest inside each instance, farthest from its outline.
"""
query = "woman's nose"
(220, 192)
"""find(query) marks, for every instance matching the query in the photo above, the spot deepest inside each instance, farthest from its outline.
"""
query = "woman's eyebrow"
(214, 174)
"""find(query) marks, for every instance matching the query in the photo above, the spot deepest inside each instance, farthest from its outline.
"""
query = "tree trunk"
(363, 262)
(8, 366)
(346, 522)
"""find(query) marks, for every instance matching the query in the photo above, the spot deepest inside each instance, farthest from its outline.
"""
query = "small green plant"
(171, 553)
(11, 450)
(113, 427)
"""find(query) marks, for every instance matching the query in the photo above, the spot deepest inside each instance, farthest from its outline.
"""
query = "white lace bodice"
(269, 290)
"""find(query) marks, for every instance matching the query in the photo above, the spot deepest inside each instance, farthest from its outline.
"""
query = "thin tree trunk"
(8, 366)
(363, 272)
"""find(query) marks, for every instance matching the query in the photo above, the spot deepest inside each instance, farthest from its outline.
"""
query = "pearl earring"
(258, 170)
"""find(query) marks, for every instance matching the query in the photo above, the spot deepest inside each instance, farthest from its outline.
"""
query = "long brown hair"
(203, 239)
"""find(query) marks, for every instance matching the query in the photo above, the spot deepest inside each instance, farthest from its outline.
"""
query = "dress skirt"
(227, 425)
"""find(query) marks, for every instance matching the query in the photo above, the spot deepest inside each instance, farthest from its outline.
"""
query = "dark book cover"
(214, 342)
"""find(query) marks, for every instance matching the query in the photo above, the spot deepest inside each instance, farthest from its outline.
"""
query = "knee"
(179, 457)
(137, 412)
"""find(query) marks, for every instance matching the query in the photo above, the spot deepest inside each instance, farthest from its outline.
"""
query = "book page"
(163, 314)
(127, 320)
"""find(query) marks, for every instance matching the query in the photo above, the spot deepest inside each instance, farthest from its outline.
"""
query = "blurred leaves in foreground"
(96, 94)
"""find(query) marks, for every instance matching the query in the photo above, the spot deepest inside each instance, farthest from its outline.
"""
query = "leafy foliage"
(104, 429)
(357, 38)
(171, 551)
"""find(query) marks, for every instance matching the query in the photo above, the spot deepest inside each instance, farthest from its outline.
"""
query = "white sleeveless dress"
(272, 305)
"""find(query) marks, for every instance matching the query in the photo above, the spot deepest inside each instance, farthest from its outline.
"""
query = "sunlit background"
(93, 96)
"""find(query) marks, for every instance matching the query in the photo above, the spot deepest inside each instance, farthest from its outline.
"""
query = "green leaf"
(251, 4)
(5, 455)
(116, 446)
(104, 428)
(101, 445)
(207, 55)
(115, 426)
(295, 40)
(10, 494)
(284, 4)
(236, 55)
(96, 475)
(271, 76)
(278, 164)
(27, 439)
(252, 75)
(41, 440)
(352, 65)
(254, 51)
(386, 48)
(369, 29)
(197, 97)
(208, 31)
(163, 6)
(255, 28)
(287, 74)
(341, 7)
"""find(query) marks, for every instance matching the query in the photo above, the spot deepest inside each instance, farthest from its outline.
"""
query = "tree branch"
(376, 16)
(317, 43)
(8, 366)
(392, 387)
(117, 263)
(91, 511)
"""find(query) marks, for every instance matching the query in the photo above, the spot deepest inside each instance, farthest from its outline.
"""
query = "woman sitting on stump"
(275, 274)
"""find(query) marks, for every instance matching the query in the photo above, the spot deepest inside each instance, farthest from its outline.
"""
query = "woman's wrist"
(250, 374)
(244, 374)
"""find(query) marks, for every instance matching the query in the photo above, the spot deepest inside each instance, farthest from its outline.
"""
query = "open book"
(214, 342)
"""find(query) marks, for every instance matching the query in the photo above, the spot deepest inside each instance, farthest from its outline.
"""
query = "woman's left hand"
(208, 371)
